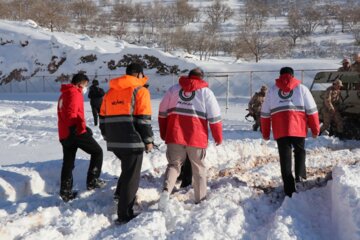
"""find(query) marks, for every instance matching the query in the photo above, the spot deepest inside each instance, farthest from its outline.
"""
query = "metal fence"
(227, 86)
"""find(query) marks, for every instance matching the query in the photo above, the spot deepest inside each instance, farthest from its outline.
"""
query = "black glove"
(89, 131)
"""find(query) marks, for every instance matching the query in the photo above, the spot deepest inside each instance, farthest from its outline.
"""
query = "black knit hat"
(95, 82)
(134, 68)
(79, 77)
(287, 70)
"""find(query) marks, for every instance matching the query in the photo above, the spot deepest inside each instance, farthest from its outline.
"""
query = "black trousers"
(128, 183)
(285, 146)
(95, 111)
(70, 146)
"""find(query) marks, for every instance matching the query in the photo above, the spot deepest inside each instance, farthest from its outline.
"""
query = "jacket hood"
(286, 82)
(69, 87)
(127, 81)
(193, 83)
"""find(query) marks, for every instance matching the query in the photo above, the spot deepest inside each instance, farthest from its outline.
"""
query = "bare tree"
(153, 17)
(5, 9)
(185, 13)
(296, 26)
(312, 18)
(184, 39)
(105, 24)
(252, 37)
(216, 14)
(84, 11)
(49, 13)
(18, 9)
(140, 15)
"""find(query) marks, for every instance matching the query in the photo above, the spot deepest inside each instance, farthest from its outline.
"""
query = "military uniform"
(330, 110)
(255, 107)
(355, 67)
(344, 69)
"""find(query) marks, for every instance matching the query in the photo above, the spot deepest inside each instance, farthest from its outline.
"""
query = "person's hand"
(149, 147)
(315, 135)
(218, 143)
(332, 111)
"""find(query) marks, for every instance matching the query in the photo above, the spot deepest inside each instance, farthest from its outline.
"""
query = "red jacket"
(289, 109)
(70, 111)
(186, 111)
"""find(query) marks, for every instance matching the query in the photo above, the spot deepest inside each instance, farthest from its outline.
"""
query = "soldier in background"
(346, 66)
(331, 107)
(255, 104)
(355, 67)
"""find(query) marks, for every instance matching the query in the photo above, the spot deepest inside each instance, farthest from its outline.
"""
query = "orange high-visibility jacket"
(125, 115)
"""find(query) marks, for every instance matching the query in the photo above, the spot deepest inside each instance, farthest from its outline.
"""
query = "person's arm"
(142, 117)
(327, 101)
(162, 116)
(266, 118)
(102, 115)
(311, 113)
(213, 113)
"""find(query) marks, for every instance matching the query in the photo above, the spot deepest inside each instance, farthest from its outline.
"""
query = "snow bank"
(345, 194)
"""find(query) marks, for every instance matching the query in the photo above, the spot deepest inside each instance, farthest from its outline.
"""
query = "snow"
(245, 199)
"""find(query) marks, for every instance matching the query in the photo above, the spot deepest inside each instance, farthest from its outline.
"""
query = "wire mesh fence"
(227, 86)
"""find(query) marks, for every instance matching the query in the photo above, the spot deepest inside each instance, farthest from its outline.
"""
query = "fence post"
(302, 75)
(250, 84)
(227, 92)
(11, 86)
(43, 83)
(26, 85)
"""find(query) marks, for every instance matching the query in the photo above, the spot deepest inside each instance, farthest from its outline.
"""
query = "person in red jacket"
(74, 134)
(290, 109)
(184, 115)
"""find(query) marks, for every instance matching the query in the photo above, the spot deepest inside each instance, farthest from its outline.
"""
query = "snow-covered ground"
(245, 198)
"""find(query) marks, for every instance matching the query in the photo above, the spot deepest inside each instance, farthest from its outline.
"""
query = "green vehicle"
(350, 95)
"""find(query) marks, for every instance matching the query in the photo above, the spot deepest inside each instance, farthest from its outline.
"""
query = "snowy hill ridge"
(27, 51)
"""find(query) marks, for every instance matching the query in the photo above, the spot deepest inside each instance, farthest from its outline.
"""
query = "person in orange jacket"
(125, 123)
(74, 134)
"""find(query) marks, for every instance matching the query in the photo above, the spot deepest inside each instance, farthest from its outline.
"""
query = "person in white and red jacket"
(290, 109)
(184, 115)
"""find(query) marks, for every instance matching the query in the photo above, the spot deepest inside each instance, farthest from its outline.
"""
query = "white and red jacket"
(290, 109)
(185, 112)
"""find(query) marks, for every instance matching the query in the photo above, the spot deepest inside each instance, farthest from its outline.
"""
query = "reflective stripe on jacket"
(289, 113)
(184, 116)
(125, 115)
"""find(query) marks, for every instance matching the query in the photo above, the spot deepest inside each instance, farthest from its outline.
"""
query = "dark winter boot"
(121, 221)
(68, 195)
(66, 192)
(95, 183)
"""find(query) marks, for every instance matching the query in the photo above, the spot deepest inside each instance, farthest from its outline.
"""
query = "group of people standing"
(125, 123)
(185, 112)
